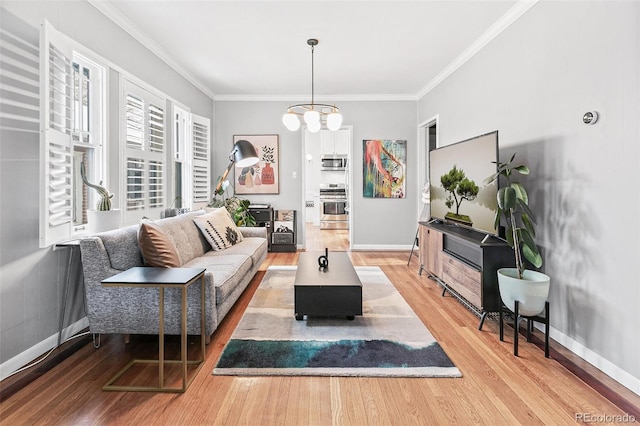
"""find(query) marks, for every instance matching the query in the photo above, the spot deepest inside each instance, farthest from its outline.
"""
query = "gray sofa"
(126, 310)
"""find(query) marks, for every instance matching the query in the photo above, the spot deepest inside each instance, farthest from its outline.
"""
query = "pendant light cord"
(312, 76)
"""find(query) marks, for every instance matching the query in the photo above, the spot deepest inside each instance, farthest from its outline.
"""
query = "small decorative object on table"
(323, 261)
(104, 203)
(103, 218)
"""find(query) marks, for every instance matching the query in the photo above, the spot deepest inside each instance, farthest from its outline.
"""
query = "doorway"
(429, 136)
(328, 212)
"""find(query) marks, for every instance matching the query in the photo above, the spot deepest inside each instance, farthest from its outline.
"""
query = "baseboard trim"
(381, 247)
(23, 358)
(607, 367)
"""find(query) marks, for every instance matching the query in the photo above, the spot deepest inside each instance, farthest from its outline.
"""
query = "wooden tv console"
(464, 262)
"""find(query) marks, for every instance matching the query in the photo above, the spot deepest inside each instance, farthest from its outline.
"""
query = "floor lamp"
(243, 154)
(426, 200)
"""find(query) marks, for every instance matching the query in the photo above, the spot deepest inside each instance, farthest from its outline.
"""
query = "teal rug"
(388, 340)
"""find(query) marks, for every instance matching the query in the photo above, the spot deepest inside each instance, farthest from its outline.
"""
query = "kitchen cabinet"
(334, 142)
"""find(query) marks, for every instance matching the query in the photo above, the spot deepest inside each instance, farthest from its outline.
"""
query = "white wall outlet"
(294, 175)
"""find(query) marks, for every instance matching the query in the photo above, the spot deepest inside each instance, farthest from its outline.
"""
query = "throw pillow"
(218, 229)
(156, 247)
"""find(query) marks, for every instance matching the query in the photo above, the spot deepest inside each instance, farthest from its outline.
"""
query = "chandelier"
(313, 114)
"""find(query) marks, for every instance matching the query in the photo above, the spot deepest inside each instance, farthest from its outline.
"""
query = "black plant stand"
(542, 317)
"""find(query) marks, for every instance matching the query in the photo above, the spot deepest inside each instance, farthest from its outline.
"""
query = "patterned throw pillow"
(156, 247)
(218, 229)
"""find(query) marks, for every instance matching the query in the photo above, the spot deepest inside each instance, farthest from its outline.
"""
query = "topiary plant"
(104, 203)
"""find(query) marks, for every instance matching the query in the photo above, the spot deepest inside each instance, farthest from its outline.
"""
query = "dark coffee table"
(334, 292)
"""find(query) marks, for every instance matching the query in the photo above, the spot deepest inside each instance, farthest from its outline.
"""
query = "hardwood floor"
(319, 239)
(496, 387)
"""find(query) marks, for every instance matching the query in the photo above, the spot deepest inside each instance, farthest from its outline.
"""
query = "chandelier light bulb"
(291, 122)
(334, 121)
(311, 117)
(314, 127)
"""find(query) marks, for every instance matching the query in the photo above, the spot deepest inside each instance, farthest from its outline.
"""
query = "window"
(73, 116)
(72, 104)
(182, 143)
(191, 158)
(144, 138)
(201, 179)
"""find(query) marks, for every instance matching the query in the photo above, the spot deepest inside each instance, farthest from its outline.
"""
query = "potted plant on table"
(530, 288)
(103, 218)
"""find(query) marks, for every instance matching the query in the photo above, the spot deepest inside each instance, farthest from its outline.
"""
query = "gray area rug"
(388, 340)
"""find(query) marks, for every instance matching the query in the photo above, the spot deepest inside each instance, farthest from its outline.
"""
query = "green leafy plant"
(238, 208)
(513, 206)
(240, 212)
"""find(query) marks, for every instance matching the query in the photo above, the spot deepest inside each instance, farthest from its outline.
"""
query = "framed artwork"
(263, 177)
(384, 168)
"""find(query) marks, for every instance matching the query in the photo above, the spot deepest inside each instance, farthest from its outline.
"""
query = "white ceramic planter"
(100, 221)
(531, 291)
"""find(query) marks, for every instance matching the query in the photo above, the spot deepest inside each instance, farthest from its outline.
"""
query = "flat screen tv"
(456, 175)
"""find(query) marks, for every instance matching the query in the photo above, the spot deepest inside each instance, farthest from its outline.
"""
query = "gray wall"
(32, 279)
(377, 223)
(533, 83)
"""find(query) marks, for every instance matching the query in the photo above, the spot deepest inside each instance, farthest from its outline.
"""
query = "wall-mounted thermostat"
(590, 117)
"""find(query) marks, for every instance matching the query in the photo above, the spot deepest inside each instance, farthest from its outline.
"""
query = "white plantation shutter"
(19, 79)
(156, 128)
(55, 156)
(156, 184)
(134, 120)
(201, 168)
(135, 184)
(72, 96)
(145, 145)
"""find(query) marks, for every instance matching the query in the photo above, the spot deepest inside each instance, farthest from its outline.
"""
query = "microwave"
(334, 162)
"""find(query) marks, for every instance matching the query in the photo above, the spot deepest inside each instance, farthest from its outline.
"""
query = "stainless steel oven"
(333, 206)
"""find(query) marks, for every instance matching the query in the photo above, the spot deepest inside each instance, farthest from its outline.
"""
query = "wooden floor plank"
(496, 387)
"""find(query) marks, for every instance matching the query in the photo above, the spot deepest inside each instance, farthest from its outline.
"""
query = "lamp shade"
(334, 121)
(291, 122)
(314, 126)
(311, 117)
(244, 154)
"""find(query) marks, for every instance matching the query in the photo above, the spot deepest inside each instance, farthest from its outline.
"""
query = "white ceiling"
(259, 48)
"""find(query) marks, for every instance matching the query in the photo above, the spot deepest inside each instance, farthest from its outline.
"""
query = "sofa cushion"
(228, 271)
(156, 247)
(256, 248)
(218, 228)
(185, 235)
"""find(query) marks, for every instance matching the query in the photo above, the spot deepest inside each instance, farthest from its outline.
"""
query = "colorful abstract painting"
(384, 168)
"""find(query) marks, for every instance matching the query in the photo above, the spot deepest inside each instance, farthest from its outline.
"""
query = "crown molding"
(130, 28)
(500, 25)
(317, 99)
(111, 12)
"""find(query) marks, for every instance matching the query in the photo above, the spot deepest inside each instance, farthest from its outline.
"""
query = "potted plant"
(103, 218)
(530, 288)
(173, 208)
(238, 208)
